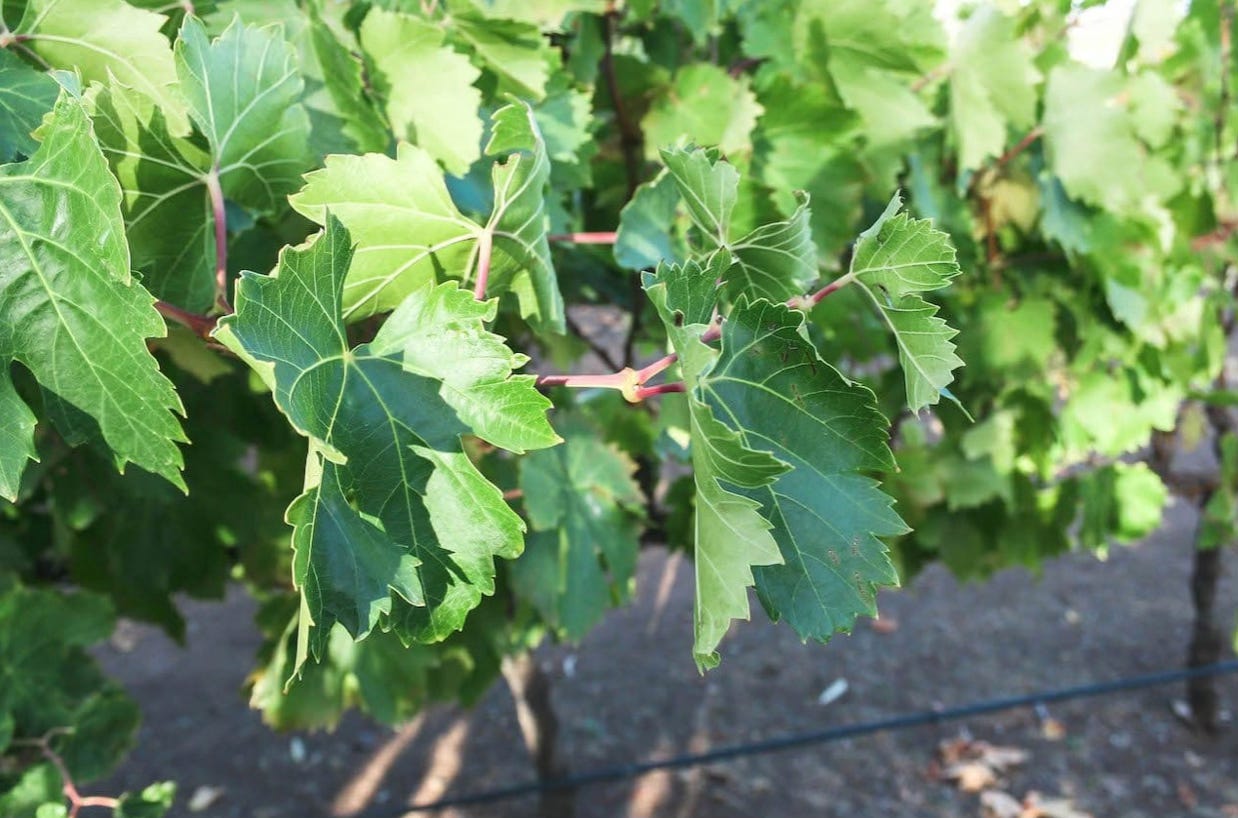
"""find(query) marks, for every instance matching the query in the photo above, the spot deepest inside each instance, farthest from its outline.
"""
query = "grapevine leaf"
(992, 84)
(731, 534)
(152, 802)
(704, 105)
(896, 260)
(73, 316)
(25, 96)
(428, 87)
(167, 210)
(43, 639)
(514, 51)
(709, 187)
(645, 237)
(775, 261)
(244, 94)
(582, 504)
(409, 231)
(343, 78)
(387, 481)
(871, 53)
(440, 331)
(770, 386)
(16, 437)
(1105, 164)
(808, 140)
(102, 38)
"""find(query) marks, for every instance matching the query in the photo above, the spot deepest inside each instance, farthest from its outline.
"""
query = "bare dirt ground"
(631, 692)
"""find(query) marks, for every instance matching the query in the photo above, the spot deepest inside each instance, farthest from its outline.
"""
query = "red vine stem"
(1020, 146)
(584, 238)
(201, 325)
(485, 249)
(76, 800)
(221, 238)
(631, 382)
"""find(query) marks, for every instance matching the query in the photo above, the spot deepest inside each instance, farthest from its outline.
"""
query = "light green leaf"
(428, 87)
(1105, 164)
(808, 140)
(343, 78)
(873, 52)
(152, 802)
(392, 503)
(731, 534)
(409, 231)
(896, 260)
(440, 332)
(583, 508)
(704, 105)
(771, 387)
(709, 187)
(992, 85)
(244, 94)
(73, 315)
(25, 96)
(513, 51)
(102, 38)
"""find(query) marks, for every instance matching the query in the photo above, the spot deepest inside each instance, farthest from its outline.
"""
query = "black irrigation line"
(635, 769)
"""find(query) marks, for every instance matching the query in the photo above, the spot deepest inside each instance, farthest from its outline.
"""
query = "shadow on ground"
(631, 692)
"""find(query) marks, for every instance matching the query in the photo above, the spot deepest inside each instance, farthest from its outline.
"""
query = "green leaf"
(152, 802)
(731, 534)
(1105, 164)
(17, 424)
(167, 209)
(25, 96)
(52, 683)
(896, 260)
(645, 236)
(775, 261)
(992, 85)
(73, 315)
(244, 95)
(709, 187)
(780, 397)
(440, 332)
(583, 508)
(392, 503)
(343, 76)
(807, 140)
(102, 38)
(513, 51)
(705, 105)
(873, 53)
(409, 232)
(428, 87)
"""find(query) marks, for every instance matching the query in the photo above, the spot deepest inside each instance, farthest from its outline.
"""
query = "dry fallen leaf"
(1052, 729)
(975, 765)
(998, 804)
(1033, 807)
(971, 776)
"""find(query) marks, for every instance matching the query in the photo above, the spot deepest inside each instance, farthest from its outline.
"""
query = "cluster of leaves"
(361, 220)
